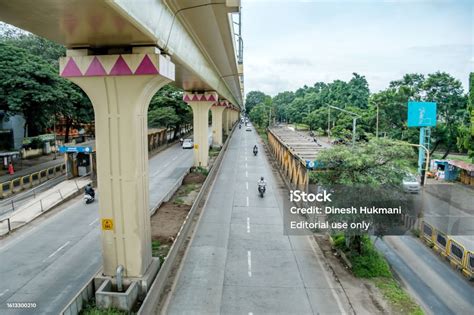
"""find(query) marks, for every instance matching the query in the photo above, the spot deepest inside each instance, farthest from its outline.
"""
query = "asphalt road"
(239, 261)
(439, 288)
(50, 261)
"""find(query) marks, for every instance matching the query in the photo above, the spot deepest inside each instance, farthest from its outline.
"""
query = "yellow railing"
(31, 180)
(294, 169)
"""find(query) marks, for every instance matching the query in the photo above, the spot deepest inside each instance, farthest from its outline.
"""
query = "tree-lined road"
(48, 262)
(240, 261)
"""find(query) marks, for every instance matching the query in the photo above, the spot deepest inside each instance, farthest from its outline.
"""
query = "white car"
(188, 144)
(248, 128)
(411, 184)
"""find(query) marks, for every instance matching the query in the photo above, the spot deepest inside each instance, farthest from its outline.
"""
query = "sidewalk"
(42, 203)
(28, 166)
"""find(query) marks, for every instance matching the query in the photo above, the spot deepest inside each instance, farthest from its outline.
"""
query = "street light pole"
(329, 124)
(354, 121)
(377, 124)
(427, 158)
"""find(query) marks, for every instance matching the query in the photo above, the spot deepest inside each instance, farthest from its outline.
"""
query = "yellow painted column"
(201, 103)
(217, 116)
(120, 88)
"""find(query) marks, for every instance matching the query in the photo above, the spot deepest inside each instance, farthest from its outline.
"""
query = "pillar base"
(143, 283)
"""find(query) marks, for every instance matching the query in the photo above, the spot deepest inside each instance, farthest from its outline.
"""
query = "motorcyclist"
(255, 149)
(90, 191)
(262, 182)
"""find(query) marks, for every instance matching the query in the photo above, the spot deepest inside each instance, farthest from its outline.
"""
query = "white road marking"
(250, 313)
(246, 174)
(336, 297)
(247, 185)
(174, 158)
(57, 250)
(3, 293)
(94, 221)
(245, 158)
(247, 201)
(249, 262)
(248, 225)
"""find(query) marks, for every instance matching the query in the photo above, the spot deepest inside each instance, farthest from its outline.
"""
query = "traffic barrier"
(29, 181)
(452, 247)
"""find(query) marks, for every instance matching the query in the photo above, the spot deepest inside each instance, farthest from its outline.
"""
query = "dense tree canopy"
(309, 105)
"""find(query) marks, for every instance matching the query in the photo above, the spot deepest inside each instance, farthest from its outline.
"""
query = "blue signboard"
(312, 164)
(65, 149)
(421, 114)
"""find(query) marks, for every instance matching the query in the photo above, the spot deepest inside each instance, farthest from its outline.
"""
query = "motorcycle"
(261, 190)
(88, 199)
(255, 151)
(240, 126)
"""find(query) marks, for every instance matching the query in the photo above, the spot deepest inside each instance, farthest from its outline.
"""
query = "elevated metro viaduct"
(121, 52)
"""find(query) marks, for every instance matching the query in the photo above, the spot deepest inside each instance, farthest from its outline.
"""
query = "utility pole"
(329, 124)
(377, 123)
(354, 121)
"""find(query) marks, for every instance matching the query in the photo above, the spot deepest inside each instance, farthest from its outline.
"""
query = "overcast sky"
(289, 43)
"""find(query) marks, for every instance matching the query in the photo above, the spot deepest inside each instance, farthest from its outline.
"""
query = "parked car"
(188, 144)
(410, 184)
(248, 128)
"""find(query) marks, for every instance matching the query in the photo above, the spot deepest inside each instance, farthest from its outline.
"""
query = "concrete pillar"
(227, 121)
(217, 117)
(120, 88)
(201, 103)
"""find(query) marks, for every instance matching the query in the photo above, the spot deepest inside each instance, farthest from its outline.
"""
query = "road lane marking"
(248, 225)
(247, 201)
(94, 221)
(246, 174)
(57, 250)
(245, 158)
(174, 158)
(249, 263)
(247, 185)
(3, 293)
(336, 297)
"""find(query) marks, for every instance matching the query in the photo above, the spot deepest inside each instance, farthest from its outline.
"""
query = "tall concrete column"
(217, 117)
(201, 103)
(226, 120)
(120, 88)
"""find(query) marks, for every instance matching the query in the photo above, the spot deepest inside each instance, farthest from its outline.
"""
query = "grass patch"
(401, 300)
(371, 264)
(366, 264)
(158, 250)
(186, 189)
(262, 132)
(91, 309)
(178, 201)
(214, 152)
(201, 170)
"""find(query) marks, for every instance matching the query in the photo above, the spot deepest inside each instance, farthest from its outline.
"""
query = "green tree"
(28, 86)
(254, 98)
(168, 101)
(375, 164)
(465, 140)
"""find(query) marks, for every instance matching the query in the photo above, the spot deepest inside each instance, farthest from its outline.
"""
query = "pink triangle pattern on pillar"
(120, 68)
(211, 98)
(186, 97)
(95, 68)
(71, 69)
(146, 67)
